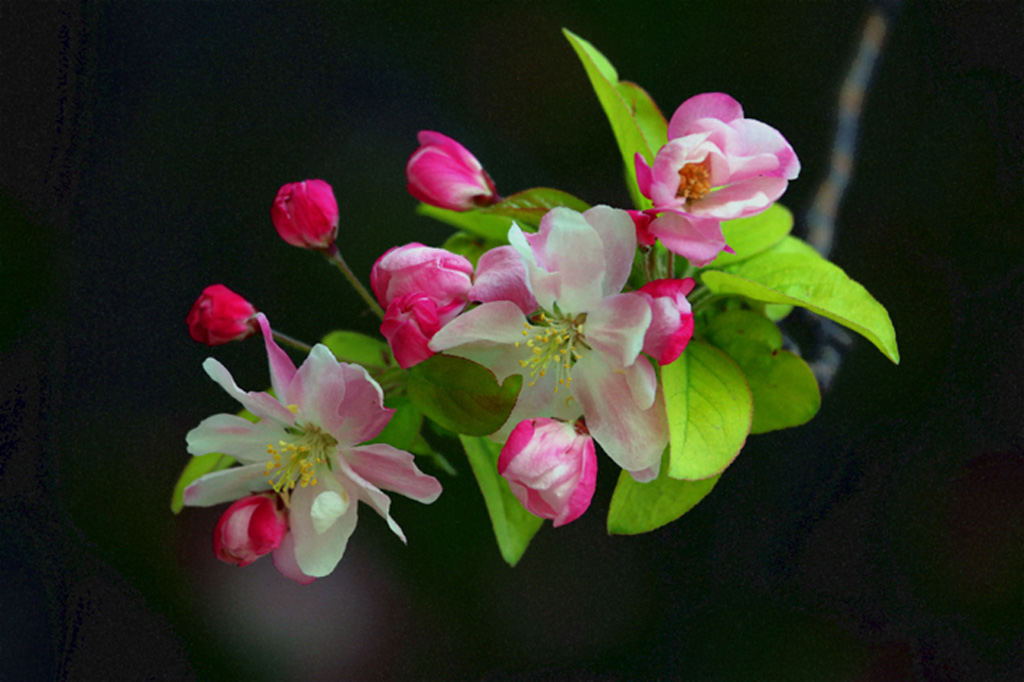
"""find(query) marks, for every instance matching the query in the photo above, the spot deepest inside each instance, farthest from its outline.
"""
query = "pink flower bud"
(551, 467)
(417, 269)
(410, 321)
(443, 173)
(250, 528)
(642, 222)
(305, 214)
(219, 316)
(671, 319)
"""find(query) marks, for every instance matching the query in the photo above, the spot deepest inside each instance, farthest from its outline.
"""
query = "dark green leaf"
(529, 206)
(709, 411)
(514, 527)
(461, 395)
(784, 389)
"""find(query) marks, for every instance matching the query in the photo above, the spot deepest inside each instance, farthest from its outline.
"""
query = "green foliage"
(790, 274)
(514, 527)
(642, 507)
(709, 411)
(461, 395)
(359, 349)
(469, 245)
(636, 121)
(783, 386)
(750, 236)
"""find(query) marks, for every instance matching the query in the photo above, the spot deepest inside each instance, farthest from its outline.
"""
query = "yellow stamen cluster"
(295, 463)
(554, 341)
(694, 181)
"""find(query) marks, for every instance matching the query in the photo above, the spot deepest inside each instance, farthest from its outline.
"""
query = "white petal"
(317, 553)
(226, 486)
(327, 508)
(232, 435)
(261, 404)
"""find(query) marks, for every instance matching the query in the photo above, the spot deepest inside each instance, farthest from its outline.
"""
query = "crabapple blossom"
(251, 527)
(219, 316)
(305, 214)
(309, 447)
(410, 321)
(671, 319)
(551, 467)
(445, 174)
(579, 351)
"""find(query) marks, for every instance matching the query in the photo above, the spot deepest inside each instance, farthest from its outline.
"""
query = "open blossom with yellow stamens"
(579, 352)
(308, 447)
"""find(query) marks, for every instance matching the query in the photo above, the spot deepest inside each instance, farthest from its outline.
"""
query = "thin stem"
(334, 256)
(289, 341)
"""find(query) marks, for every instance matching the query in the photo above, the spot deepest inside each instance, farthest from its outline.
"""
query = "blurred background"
(141, 145)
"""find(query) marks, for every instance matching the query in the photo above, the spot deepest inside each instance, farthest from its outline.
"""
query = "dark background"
(140, 147)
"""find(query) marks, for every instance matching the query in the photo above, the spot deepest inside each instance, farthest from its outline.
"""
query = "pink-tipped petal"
(261, 404)
(501, 276)
(699, 240)
(282, 369)
(232, 435)
(716, 105)
(285, 563)
(618, 235)
(227, 485)
(389, 468)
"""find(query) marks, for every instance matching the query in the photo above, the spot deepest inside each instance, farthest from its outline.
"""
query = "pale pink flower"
(551, 468)
(305, 214)
(579, 352)
(715, 166)
(671, 318)
(251, 527)
(219, 316)
(309, 446)
(445, 174)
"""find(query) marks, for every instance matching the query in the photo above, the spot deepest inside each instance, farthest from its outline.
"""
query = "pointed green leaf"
(358, 348)
(709, 411)
(750, 236)
(461, 395)
(809, 281)
(784, 388)
(636, 121)
(514, 527)
(642, 507)
(199, 465)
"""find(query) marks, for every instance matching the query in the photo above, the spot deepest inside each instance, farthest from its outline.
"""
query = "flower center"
(295, 463)
(553, 341)
(694, 181)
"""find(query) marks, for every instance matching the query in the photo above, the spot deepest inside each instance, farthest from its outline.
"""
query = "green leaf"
(750, 236)
(358, 348)
(709, 411)
(199, 465)
(461, 395)
(636, 121)
(784, 389)
(487, 225)
(642, 507)
(807, 280)
(404, 428)
(514, 527)
(529, 206)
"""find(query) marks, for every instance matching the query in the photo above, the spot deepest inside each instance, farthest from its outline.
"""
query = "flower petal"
(368, 493)
(699, 240)
(487, 335)
(501, 276)
(633, 437)
(716, 105)
(285, 563)
(232, 435)
(260, 403)
(317, 553)
(618, 235)
(389, 468)
(740, 200)
(226, 486)
(282, 369)
(616, 327)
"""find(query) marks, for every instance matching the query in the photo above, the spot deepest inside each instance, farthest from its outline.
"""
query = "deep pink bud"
(220, 315)
(642, 222)
(306, 214)
(250, 528)
(443, 173)
(671, 318)
(417, 269)
(410, 321)
(551, 467)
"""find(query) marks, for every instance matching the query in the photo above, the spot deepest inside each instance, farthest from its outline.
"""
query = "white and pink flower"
(551, 468)
(309, 447)
(445, 174)
(717, 165)
(671, 318)
(579, 352)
